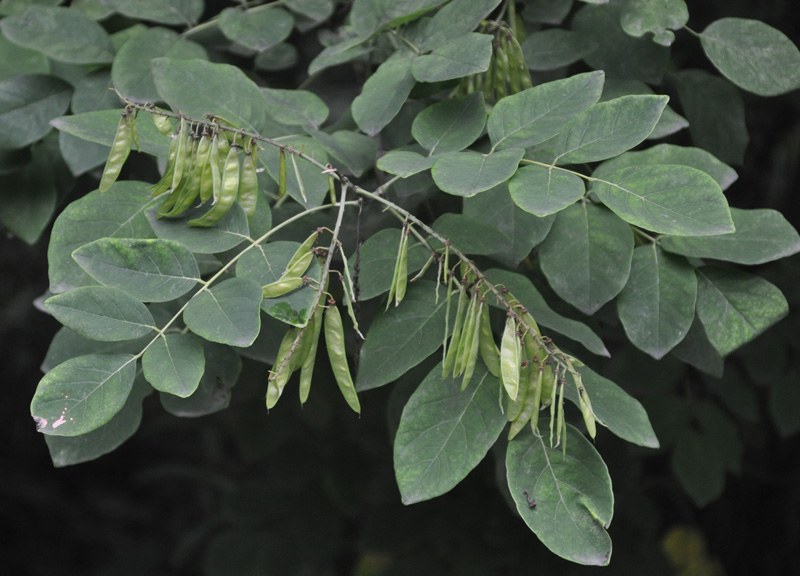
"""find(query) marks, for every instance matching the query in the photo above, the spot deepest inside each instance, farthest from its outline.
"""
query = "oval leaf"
(150, 270)
(383, 94)
(656, 306)
(27, 104)
(609, 128)
(462, 56)
(101, 313)
(571, 501)
(587, 256)
(405, 163)
(259, 29)
(657, 16)
(295, 107)
(174, 364)
(445, 432)
(554, 48)
(451, 125)
(735, 307)
(402, 337)
(468, 173)
(753, 55)
(542, 191)
(83, 393)
(760, 236)
(175, 12)
(536, 114)
(669, 199)
(61, 34)
(228, 232)
(228, 313)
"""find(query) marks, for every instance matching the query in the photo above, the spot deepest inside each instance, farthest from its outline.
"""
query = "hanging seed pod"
(282, 286)
(282, 174)
(489, 352)
(334, 341)
(452, 349)
(248, 185)
(163, 123)
(120, 148)
(307, 368)
(510, 358)
(278, 381)
(228, 194)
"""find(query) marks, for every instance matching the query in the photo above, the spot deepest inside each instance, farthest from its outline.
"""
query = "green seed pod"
(489, 352)
(120, 148)
(519, 59)
(248, 186)
(510, 358)
(302, 257)
(515, 406)
(207, 174)
(277, 382)
(134, 133)
(230, 187)
(334, 341)
(586, 406)
(280, 287)
(471, 352)
(527, 410)
(307, 369)
(452, 349)
(299, 179)
(183, 152)
(282, 174)
(402, 270)
(331, 188)
(163, 123)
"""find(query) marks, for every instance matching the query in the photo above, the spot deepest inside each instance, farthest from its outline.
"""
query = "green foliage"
(464, 172)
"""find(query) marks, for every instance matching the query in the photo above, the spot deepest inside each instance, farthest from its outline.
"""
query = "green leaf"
(61, 34)
(760, 236)
(131, 70)
(543, 191)
(445, 432)
(715, 111)
(70, 450)
(15, 60)
(619, 54)
(670, 121)
(340, 53)
(536, 114)
(554, 48)
(314, 181)
(314, 10)
(656, 306)
(177, 83)
(587, 256)
(222, 368)
(620, 412)
(378, 256)
(100, 127)
(27, 104)
(404, 163)
(452, 21)
(468, 173)
(67, 344)
(101, 313)
(295, 107)
(465, 55)
(356, 151)
(516, 232)
(723, 174)
(83, 393)
(123, 208)
(227, 313)
(753, 55)
(699, 467)
(150, 270)
(609, 128)
(280, 57)
(451, 125)
(524, 290)
(402, 337)
(735, 306)
(230, 231)
(257, 29)
(174, 364)
(80, 155)
(173, 12)
(697, 351)
(265, 264)
(383, 94)
(657, 16)
(546, 11)
(655, 197)
(28, 196)
(573, 499)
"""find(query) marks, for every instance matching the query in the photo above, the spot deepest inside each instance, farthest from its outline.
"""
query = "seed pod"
(120, 148)
(282, 286)
(307, 369)
(230, 186)
(488, 81)
(223, 149)
(402, 256)
(500, 72)
(207, 174)
(301, 259)
(537, 396)
(183, 151)
(402, 270)
(519, 58)
(166, 180)
(248, 186)
(163, 123)
(277, 382)
(216, 171)
(489, 352)
(467, 334)
(134, 133)
(452, 349)
(471, 352)
(512, 68)
(586, 406)
(331, 186)
(510, 358)
(515, 406)
(189, 188)
(334, 341)
(527, 410)
(282, 174)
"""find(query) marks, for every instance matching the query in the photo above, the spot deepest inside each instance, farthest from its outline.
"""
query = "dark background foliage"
(237, 491)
